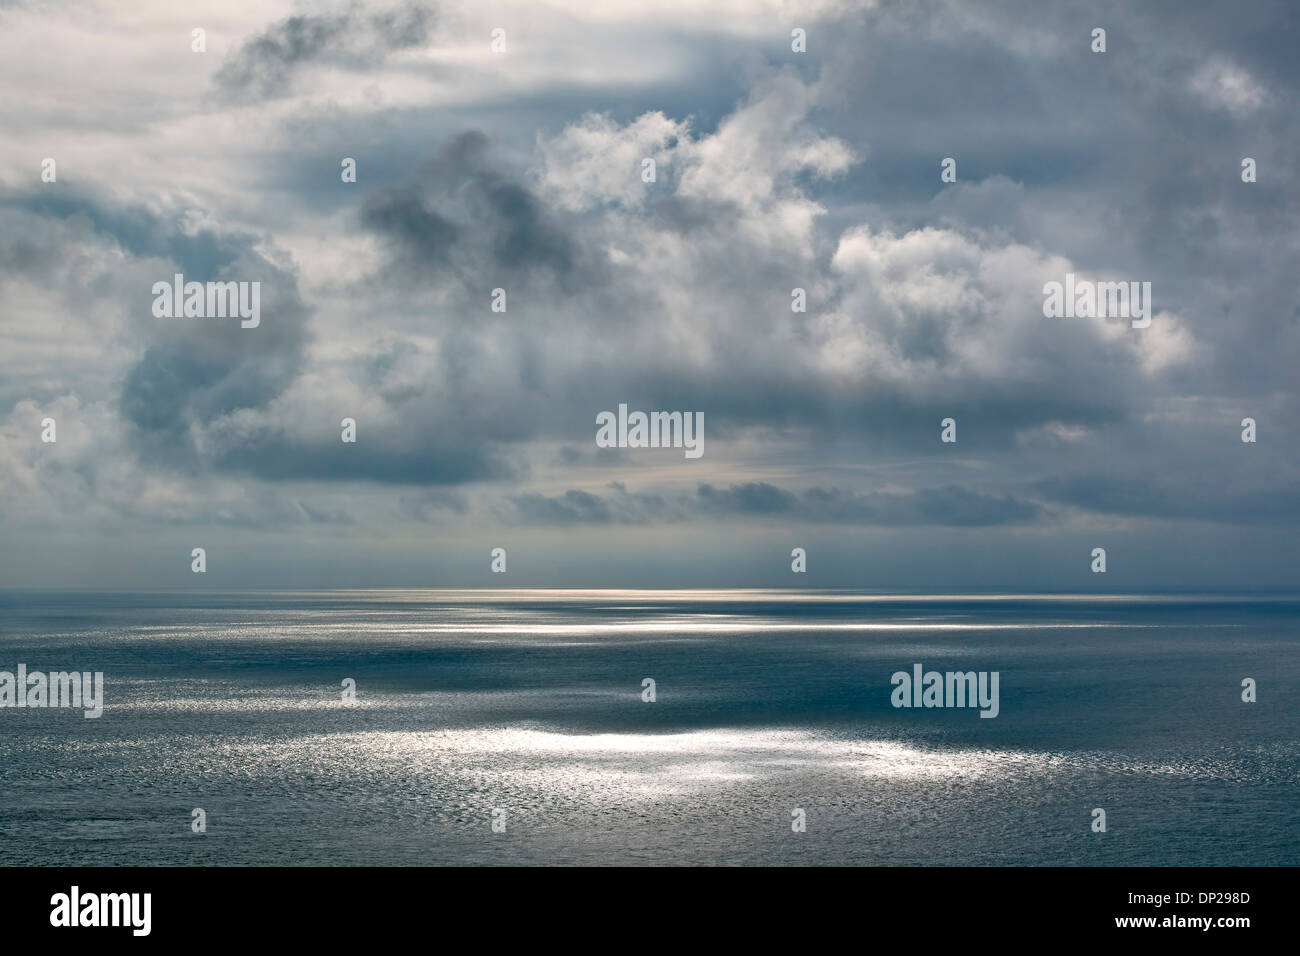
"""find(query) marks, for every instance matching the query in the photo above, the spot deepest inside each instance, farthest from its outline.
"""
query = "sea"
(736, 727)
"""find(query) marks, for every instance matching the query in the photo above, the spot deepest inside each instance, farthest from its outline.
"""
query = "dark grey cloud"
(572, 507)
(107, 253)
(949, 506)
(194, 371)
(265, 66)
(420, 235)
(749, 498)
(459, 217)
(617, 506)
(140, 230)
(420, 458)
(1143, 498)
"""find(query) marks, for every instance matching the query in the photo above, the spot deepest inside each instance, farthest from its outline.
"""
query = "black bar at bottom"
(977, 905)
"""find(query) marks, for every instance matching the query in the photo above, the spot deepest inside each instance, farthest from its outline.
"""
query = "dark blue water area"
(530, 705)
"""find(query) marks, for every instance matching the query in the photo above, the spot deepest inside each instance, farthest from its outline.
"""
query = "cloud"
(774, 171)
(195, 371)
(572, 507)
(431, 505)
(266, 65)
(751, 498)
(947, 506)
(744, 501)
(1139, 497)
(460, 216)
(1228, 86)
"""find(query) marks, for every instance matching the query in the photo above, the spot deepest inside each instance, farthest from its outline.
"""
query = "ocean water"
(530, 702)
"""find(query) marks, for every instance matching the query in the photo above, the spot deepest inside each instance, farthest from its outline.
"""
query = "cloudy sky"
(775, 170)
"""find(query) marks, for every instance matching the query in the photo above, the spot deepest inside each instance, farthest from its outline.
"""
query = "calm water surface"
(766, 701)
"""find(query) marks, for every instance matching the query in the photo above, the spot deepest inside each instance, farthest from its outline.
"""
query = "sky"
(523, 168)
